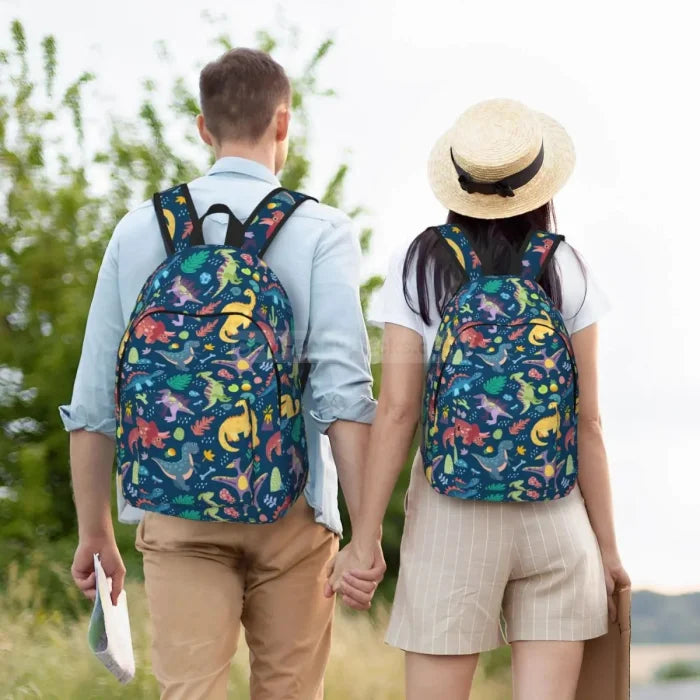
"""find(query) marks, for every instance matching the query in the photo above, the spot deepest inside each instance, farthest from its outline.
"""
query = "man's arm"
(91, 422)
(91, 456)
(340, 380)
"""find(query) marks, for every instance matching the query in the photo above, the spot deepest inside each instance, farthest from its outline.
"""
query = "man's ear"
(282, 119)
(203, 131)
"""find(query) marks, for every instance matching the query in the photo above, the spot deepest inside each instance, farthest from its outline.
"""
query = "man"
(203, 579)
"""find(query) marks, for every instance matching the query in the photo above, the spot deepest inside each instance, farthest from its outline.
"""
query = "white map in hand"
(109, 634)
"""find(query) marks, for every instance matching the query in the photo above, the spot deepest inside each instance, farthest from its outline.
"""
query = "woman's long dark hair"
(497, 242)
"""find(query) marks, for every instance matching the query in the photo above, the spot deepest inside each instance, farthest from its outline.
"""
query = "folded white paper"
(109, 634)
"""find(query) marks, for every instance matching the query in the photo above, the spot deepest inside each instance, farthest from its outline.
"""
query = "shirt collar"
(243, 166)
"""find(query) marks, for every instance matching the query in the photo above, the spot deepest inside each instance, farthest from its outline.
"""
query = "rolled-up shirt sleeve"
(92, 403)
(337, 347)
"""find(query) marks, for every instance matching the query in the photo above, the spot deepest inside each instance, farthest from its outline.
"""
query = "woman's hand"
(615, 578)
(355, 574)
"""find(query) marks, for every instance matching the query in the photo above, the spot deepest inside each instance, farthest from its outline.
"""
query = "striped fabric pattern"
(477, 574)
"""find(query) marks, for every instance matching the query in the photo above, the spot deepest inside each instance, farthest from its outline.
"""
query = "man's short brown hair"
(239, 93)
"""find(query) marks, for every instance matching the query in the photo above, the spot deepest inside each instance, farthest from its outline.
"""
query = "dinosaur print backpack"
(500, 406)
(208, 388)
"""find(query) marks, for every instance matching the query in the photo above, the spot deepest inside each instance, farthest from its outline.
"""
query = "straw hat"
(500, 159)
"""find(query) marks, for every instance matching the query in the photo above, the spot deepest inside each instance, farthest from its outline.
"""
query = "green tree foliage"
(55, 222)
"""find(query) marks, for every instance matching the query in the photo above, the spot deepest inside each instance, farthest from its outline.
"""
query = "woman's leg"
(437, 676)
(546, 670)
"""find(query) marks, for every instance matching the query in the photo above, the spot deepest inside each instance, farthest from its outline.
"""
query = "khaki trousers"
(203, 579)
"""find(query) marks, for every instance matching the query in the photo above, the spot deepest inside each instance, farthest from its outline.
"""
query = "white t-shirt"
(583, 301)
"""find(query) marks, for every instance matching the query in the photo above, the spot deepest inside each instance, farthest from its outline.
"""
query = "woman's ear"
(204, 133)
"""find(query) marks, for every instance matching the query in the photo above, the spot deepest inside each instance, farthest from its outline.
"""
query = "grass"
(44, 654)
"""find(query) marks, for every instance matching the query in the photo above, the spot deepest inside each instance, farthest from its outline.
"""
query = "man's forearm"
(91, 457)
(349, 442)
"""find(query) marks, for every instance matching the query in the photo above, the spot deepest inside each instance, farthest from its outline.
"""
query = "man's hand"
(356, 575)
(83, 569)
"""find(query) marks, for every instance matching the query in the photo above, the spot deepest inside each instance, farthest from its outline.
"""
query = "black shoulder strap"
(268, 218)
(538, 250)
(177, 219)
(461, 246)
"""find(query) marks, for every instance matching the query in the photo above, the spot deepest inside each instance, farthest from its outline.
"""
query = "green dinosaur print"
(521, 296)
(214, 392)
(526, 393)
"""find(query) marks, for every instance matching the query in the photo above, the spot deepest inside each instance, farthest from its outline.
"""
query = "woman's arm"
(398, 412)
(594, 477)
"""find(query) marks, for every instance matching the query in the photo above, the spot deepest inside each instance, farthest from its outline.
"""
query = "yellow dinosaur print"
(541, 329)
(546, 425)
(447, 345)
(239, 311)
(243, 424)
(288, 407)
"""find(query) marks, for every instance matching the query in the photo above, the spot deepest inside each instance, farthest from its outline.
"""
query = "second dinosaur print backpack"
(500, 406)
(208, 390)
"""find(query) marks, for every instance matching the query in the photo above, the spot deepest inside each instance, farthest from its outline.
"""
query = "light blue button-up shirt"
(316, 257)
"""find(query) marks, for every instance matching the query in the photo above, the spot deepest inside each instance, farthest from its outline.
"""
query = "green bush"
(678, 670)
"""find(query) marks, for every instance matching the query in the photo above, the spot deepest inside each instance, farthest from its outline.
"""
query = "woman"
(489, 566)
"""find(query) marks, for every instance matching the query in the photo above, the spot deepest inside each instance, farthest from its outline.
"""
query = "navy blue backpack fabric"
(208, 388)
(501, 400)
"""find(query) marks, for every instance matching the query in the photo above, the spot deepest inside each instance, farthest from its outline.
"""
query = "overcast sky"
(624, 83)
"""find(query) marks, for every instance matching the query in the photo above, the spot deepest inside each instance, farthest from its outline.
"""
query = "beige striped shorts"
(477, 574)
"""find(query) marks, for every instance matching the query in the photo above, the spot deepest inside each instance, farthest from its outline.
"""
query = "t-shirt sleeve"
(583, 300)
(389, 303)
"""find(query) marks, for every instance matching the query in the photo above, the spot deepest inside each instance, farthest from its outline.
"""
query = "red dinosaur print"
(468, 432)
(569, 437)
(544, 249)
(269, 335)
(148, 433)
(280, 508)
(154, 331)
(274, 444)
(473, 337)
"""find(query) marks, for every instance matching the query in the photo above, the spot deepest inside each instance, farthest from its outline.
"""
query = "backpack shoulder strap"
(268, 218)
(177, 219)
(537, 251)
(461, 246)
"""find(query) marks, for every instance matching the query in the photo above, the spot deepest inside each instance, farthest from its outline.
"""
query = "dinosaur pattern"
(208, 392)
(501, 402)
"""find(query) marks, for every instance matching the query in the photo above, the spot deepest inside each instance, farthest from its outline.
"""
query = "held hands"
(355, 575)
(83, 569)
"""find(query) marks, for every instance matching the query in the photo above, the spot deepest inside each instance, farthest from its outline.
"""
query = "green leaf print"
(275, 481)
(194, 262)
(492, 286)
(184, 499)
(569, 465)
(495, 385)
(449, 465)
(191, 514)
(179, 382)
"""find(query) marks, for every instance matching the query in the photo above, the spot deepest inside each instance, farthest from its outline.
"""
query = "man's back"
(316, 256)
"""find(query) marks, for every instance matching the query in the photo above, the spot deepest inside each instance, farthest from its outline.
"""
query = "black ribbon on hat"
(503, 187)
